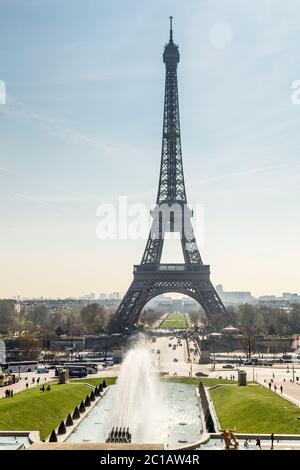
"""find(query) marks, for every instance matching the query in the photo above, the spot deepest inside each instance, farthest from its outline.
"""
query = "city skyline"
(67, 145)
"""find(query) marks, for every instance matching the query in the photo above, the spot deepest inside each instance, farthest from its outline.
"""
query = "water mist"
(136, 398)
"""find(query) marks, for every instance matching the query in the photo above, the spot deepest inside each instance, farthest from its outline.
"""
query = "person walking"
(258, 444)
(275, 388)
(281, 389)
(270, 385)
(27, 385)
(272, 441)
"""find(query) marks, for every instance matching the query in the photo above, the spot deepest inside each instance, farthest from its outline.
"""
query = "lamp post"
(293, 371)
(213, 335)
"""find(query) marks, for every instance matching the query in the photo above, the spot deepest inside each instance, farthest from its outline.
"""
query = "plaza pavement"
(21, 384)
(164, 361)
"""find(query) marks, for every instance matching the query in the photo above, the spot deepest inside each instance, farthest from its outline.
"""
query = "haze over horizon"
(82, 126)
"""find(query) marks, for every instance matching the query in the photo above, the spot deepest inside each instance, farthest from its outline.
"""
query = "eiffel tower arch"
(171, 214)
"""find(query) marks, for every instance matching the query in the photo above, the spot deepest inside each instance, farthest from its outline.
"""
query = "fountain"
(140, 409)
(136, 402)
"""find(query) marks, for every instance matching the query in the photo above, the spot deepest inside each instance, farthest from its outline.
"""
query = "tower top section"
(171, 53)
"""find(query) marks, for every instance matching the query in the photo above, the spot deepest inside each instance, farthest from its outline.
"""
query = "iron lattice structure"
(171, 214)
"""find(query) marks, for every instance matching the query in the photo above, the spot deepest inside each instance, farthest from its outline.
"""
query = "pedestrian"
(272, 441)
(258, 444)
(281, 389)
(273, 375)
(27, 385)
(275, 388)
(11, 394)
(270, 385)
(246, 444)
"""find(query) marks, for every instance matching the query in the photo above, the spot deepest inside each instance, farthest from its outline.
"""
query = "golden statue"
(230, 440)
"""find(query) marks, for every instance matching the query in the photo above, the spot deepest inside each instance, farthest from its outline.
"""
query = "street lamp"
(293, 371)
(213, 335)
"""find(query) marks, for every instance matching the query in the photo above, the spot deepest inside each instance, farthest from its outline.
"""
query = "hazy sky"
(82, 126)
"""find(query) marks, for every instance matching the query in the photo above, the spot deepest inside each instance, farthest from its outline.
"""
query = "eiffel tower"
(171, 214)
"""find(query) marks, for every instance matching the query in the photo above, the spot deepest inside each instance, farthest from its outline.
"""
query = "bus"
(73, 370)
(20, 366)
(91, 367)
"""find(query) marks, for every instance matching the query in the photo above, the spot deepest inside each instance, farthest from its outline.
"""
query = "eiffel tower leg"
(209, 300)
(129, 309)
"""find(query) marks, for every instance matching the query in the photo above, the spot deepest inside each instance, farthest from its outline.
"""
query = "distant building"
(287, 296)
(267, 298)
(230, 298)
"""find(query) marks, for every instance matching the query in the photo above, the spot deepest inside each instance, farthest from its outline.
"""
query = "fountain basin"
(177, 404)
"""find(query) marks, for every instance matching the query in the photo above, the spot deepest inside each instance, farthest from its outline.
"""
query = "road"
(181, 358)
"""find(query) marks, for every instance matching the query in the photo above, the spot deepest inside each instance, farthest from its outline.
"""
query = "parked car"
(42, 370)
(228, 366)
(268, 363)
(201, 374)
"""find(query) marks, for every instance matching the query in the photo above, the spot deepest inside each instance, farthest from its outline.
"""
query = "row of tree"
(39, 319)
(93, 319)
(260, 319)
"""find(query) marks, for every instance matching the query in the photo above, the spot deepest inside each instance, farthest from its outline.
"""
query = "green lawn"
(95, 381)
(174, 320)
(207, 381)
(34, 410)
(254, 409)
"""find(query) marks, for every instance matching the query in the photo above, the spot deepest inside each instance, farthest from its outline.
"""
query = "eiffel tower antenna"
(171, 28)
(171, 214)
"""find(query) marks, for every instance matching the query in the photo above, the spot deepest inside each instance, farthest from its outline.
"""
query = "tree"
(93, 317)
(248, 324)
(59, 331)
(39, 315)
(24, 348)
(7, 315)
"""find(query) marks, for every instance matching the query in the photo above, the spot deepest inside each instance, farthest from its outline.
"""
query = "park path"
(21, 384)
(291, 391)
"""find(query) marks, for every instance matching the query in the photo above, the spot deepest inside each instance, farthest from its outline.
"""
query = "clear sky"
(82, 126)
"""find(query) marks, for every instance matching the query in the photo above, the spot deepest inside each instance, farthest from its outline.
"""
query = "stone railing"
(209, 422)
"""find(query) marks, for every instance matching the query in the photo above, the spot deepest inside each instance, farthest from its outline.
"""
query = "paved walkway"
(21, 384)
(291, 391)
